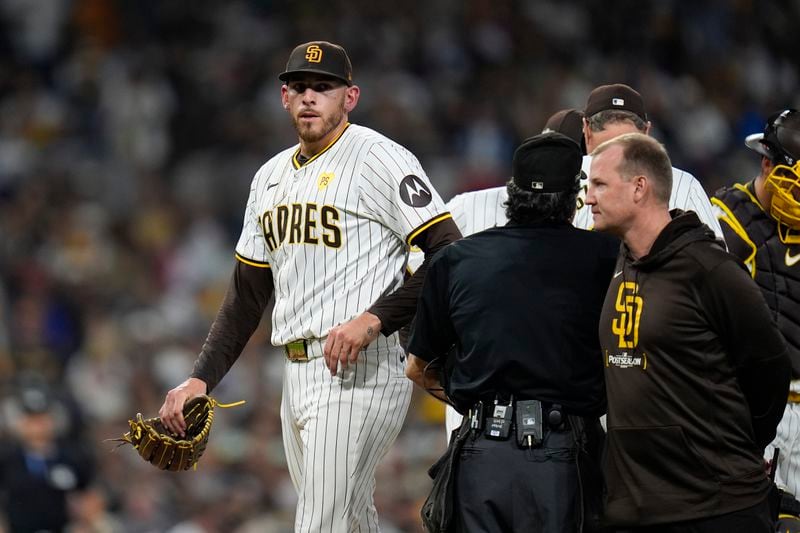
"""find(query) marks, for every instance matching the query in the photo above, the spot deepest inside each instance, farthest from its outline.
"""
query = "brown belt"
(794, 397)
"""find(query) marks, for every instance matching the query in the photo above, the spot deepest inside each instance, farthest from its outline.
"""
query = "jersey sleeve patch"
(252, 262)
(414, 192)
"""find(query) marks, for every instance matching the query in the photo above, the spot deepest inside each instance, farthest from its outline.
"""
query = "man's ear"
(641, 187)
(766, 166)
(285, 97)
(351, 98)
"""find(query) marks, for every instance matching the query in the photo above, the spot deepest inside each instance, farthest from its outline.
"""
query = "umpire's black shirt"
(521, 304)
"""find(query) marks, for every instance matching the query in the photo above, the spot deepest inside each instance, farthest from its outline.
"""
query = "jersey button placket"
(299, 174)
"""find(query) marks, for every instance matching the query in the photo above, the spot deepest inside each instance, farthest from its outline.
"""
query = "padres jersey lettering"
(294, 234)
(302, 224)
(335, 230)
(332, 236)
(309, 234)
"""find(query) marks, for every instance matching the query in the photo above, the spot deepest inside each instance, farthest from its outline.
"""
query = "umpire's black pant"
(500, 487)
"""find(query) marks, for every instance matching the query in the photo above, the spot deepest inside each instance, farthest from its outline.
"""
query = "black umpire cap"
(319, 57)
(549, 162)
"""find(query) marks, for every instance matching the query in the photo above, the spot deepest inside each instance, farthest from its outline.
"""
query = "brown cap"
(568, 122)
(319, 57)
(617, 96)
(548, 162)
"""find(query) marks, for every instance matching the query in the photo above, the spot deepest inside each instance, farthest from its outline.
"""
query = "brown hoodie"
(697, 377)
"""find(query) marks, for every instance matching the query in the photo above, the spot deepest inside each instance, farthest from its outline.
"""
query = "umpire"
(520, 304)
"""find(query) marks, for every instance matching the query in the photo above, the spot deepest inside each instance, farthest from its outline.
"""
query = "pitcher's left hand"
(346, 340)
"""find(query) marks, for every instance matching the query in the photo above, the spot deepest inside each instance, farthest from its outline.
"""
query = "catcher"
(167, 451)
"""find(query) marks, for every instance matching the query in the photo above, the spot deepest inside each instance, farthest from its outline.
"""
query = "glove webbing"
(146, 445)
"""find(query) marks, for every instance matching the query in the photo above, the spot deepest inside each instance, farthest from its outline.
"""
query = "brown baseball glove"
(156, 445)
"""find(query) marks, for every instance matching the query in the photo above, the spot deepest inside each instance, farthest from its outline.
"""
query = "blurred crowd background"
(130, 131)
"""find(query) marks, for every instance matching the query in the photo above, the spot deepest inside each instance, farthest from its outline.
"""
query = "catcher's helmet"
(780, 141)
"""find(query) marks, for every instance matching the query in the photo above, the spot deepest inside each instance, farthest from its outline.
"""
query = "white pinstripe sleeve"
(479, 210)
(397, 191)
(251, 245)
(689, 195)
(472, 212)
(457, 209)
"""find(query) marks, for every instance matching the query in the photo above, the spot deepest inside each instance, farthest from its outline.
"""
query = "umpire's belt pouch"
(437, 511)
(297, 351)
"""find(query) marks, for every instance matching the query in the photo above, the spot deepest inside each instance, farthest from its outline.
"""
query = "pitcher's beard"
(309, 134)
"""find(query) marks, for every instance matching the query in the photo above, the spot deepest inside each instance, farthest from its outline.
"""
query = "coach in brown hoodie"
(697, 373)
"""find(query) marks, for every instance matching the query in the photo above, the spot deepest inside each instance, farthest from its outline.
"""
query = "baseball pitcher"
(327, 229)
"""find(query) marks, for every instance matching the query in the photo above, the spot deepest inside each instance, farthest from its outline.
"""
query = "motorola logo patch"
(414, 192)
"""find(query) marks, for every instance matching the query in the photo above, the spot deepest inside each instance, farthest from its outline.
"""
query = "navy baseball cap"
(319, 57)
(615, 96)
(546, 163)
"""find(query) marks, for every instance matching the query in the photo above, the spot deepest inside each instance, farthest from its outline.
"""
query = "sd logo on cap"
(319, 57)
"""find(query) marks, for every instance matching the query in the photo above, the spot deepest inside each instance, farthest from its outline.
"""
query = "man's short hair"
(643, 156)
(598, 121)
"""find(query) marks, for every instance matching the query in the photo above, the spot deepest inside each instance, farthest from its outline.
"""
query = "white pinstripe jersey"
(472, 212)
(335, 230)
(479, 210)
(687, 194)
